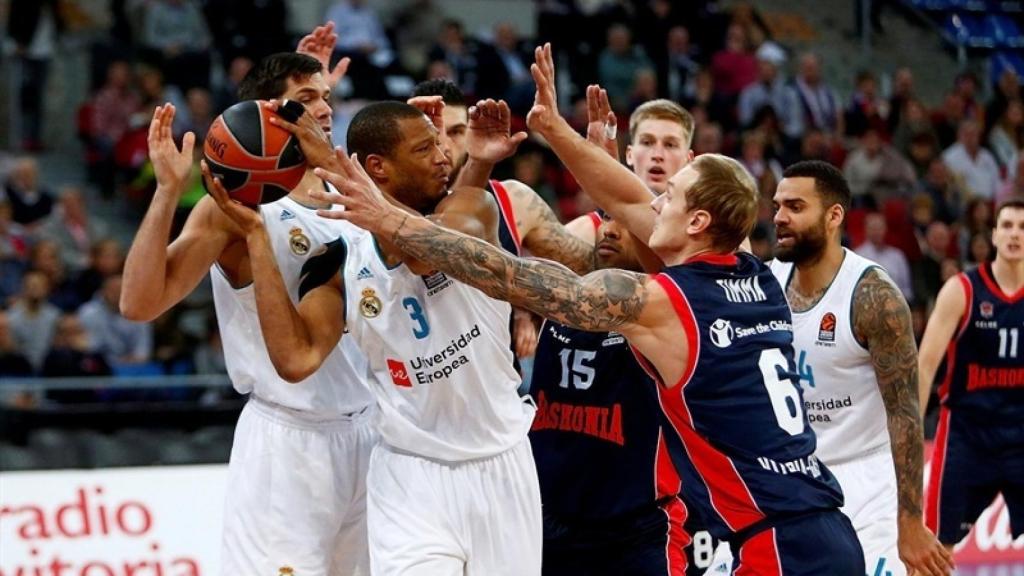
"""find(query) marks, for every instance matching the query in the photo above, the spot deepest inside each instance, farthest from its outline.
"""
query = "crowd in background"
(924, 179)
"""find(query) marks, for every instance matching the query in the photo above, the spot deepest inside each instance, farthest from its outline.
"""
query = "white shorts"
(297, 493)
(475, 518)
(869, 485)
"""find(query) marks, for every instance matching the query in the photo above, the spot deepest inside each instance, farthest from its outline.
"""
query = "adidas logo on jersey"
(286, 214)
(364, 273)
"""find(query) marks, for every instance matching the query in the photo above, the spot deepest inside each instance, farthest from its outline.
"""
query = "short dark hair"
(1017, 203)
(449, 92)
(374, 129)
(269, 78)
(828, 181)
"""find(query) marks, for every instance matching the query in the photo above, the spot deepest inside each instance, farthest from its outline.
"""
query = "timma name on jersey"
(742, 290)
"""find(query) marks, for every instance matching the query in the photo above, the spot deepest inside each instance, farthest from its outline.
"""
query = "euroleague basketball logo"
(827, 328)
(987, 309)
(721, 333)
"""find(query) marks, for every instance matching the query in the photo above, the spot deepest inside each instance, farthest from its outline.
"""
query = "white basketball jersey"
(440, 354)
(841, 396)
(339, 386)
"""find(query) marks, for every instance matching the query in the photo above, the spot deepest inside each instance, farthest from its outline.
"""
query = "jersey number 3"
(781, 391)
(421, 329)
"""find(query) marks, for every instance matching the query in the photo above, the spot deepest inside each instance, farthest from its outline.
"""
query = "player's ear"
(376, 167)
(629, 155)
(699, 221)
(836, 215)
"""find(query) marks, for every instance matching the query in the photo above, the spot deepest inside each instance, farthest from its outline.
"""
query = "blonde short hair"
(729, 193)
(662, 109)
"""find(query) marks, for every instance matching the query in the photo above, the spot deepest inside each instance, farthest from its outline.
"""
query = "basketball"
(256, 161)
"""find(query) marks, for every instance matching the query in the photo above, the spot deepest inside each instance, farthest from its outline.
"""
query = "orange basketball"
(256, 161)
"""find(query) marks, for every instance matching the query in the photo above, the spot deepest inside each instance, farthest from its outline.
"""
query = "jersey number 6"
(781, 391)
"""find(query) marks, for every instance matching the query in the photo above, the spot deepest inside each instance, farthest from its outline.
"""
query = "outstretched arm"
(881, 321)
(612, 186)
(157, 275)
(542, 234)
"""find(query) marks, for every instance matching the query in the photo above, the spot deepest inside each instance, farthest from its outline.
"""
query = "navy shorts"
(646, 543)
(973, 461)
(819, 543)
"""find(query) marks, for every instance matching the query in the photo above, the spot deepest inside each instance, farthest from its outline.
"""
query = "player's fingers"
(604, 102)
(593, 104)
(518, 138)
(188, 143)
(504, 112)
(154, 125)
(326, 196)
(474, 113)
(341, 68)
(334, 214)
(946, 559)
(278, 121)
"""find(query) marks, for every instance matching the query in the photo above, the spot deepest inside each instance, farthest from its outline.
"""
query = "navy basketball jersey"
(985, 361)
(508, 232)
(738, 433)
(597, 435)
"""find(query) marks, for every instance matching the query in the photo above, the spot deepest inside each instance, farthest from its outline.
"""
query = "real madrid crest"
(370, 306)
(285, 571)
(298, 242)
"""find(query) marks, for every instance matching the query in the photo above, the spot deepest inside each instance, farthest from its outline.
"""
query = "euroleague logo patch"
(987, 309)
(827, 328)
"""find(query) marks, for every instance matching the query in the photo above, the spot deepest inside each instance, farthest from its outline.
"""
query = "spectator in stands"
(200, 112)
(154, 92)
(120, 341)
(30, 201)
(977, 220)
(947, 119)
(913, 123)
(766, 171)
(923, 150)
(618, 65)
(975, 165)
(46, 258)
(814, 145)
(419, 22)
(966, 87)
(1013, 187)
(770, 90)
(33, 319)
(177, 39)
(1007, 90)
(980, 248)
(516, 58)
(14, 251)
(227, 93)
(73, 229)
(680, 66)
(476, 65)
(902, 92)
(645, 88)
(754, 27)
(528, 168)
(106, 258)
(928, 270)
(877, 172)
(34, 27)
(13, 362)
(250, 29)
(113, 107)
(708, 139)
(816, 103)
(891, 258)
(361, 37)
(734, 66)
(703, 101)
(865, 109)
(945, 191)
(71, 354)
(1007, 134)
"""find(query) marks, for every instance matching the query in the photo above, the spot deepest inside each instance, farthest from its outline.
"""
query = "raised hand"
(248, 219)
(320, 45)
(432, 106)
(488, 137)
(365, 205)
(315, 144)
(602, 124)
(544, 114)
(171, 166)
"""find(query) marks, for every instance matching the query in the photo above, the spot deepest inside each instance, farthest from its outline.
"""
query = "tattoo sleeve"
(881, 321)
(549, 239)
(601, 301)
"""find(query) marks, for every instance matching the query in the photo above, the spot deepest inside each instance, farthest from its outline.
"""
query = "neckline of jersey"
(989, 279)
(716, 259)
(792, 272)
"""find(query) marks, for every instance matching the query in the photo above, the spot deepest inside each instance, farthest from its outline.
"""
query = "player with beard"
(976, 325)
(609, 507)
(452, 487)
(857, 361)
(713, 329)
(274, 486)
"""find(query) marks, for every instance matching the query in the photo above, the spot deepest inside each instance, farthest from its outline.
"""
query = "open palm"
(489, 136)
(171, 165)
